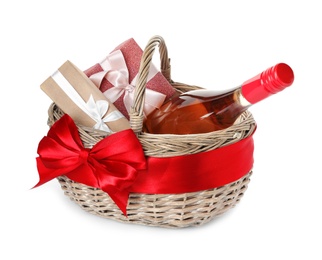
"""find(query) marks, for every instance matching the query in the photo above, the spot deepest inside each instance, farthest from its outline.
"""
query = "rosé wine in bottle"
(202, 111)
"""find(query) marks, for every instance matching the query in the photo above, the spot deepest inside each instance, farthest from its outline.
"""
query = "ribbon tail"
(121, 199)
(45, 174)
(115, 92)
(154, 98)
(128, 100)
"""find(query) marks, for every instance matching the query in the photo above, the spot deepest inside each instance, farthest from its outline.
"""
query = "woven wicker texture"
(164, 210)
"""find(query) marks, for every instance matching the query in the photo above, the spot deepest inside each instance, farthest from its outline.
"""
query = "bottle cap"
(270, 81)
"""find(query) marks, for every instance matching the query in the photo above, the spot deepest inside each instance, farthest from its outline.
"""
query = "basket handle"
(136, 112)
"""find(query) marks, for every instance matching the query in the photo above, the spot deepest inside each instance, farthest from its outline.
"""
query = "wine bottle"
(202, 111)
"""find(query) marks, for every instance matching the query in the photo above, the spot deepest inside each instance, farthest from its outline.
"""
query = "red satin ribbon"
(111, 165)
(117, 164)
(196, 172)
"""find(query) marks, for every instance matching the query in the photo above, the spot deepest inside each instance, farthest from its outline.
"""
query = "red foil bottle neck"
(270, 81)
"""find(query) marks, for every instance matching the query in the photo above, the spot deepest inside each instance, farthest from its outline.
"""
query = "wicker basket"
(164, 210)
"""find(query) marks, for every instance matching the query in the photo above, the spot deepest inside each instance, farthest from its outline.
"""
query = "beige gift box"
(78, 97)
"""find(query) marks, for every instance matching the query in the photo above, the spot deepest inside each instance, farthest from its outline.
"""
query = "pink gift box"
(132, 54)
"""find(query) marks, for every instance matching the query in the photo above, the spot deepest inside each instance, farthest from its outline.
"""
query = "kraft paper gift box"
(126, 58)
(78, 97)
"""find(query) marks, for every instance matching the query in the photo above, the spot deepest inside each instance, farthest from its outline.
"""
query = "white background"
(216, 46)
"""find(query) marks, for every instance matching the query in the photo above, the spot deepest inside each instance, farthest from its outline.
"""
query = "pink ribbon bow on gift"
(116, 72)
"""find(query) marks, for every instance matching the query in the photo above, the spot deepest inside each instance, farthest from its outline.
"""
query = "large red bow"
(111, 165)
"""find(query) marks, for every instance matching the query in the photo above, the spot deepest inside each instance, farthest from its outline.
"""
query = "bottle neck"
(240, 99)
(270, 81)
